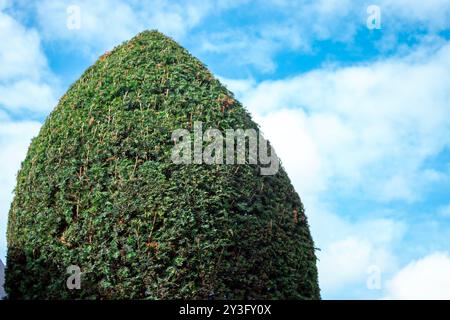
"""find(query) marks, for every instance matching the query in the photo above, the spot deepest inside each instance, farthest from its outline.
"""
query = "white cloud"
(107, 23)
(427, 278)
(238, 87)
(25, 94)
(348, 247)
(444, 211)
(15, 138)
(20, 52)
(346, 262)
(254, 46)
(25, 80)
(103, 24)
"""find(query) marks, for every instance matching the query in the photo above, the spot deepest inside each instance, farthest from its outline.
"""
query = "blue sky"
(360, 117)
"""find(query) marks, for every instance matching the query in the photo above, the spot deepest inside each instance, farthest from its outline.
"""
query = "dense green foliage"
(98, 190)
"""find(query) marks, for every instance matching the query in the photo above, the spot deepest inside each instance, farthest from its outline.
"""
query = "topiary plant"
(98, 190)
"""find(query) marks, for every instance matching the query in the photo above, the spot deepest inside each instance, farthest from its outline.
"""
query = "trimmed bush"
(98, 190)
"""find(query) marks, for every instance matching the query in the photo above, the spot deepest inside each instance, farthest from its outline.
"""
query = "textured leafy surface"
(98, 190)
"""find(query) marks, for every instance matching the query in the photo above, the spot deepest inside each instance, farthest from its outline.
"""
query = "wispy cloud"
(426, 278)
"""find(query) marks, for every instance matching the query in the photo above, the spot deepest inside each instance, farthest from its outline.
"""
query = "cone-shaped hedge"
(98, 190)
